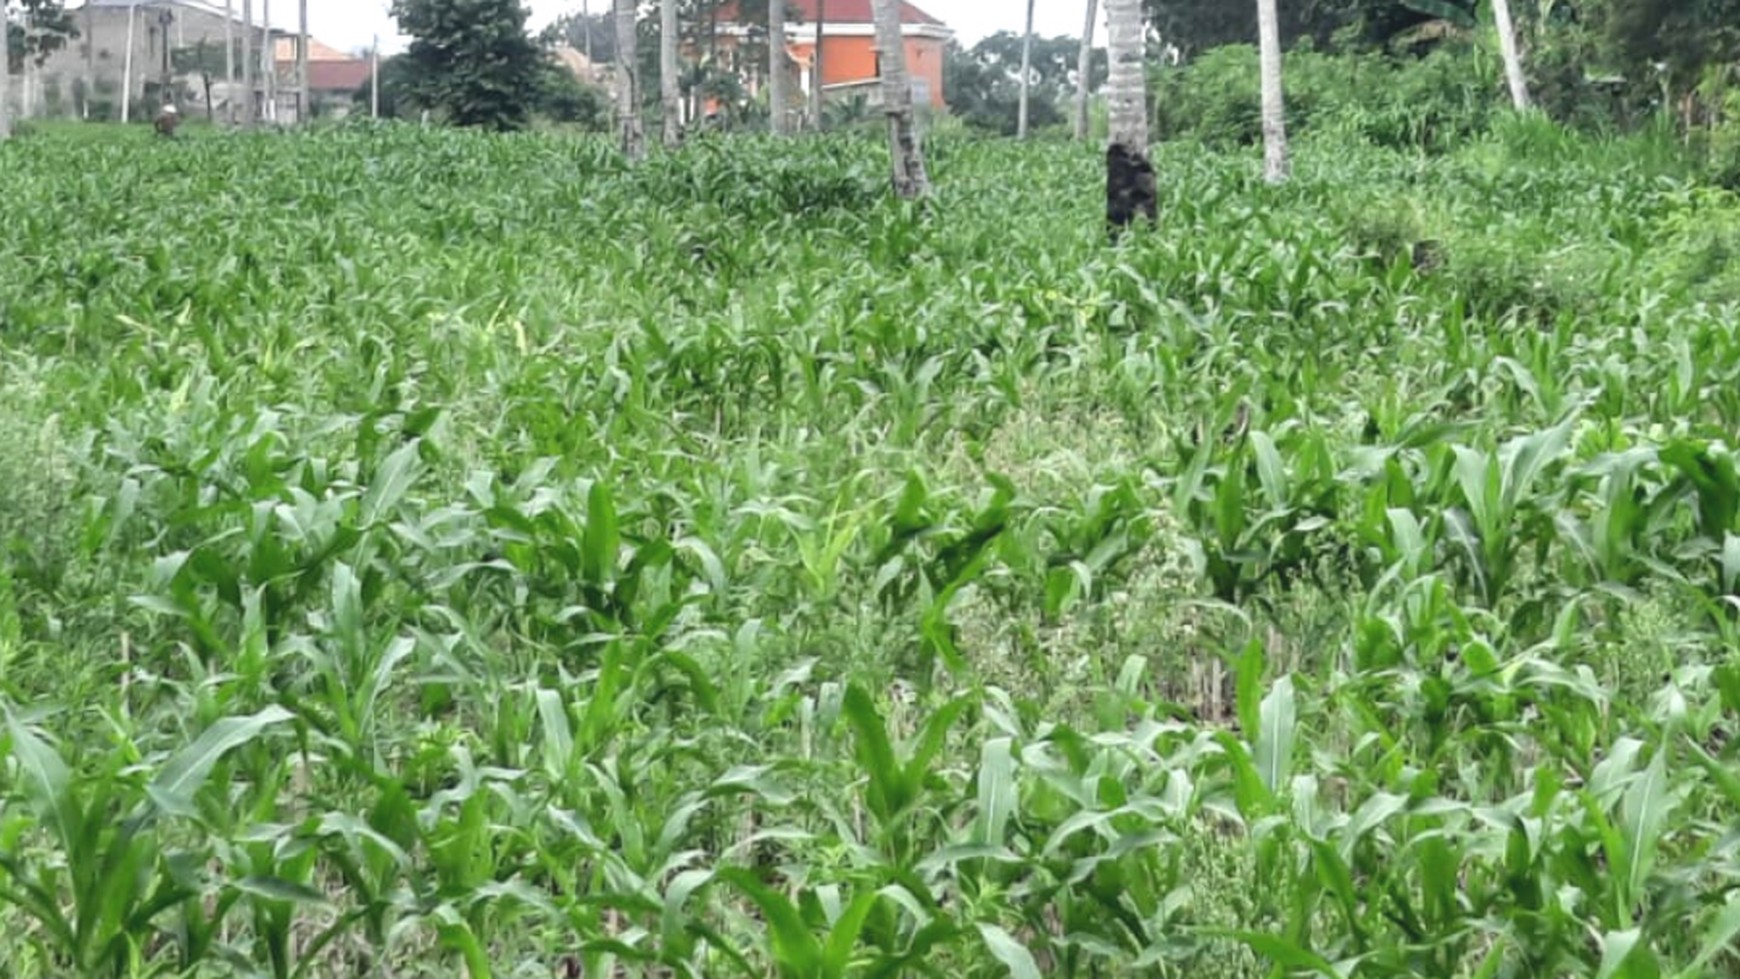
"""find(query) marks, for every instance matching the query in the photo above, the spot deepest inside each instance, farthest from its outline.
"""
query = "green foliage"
(41, 28)
(1684, 36)
(472, 61)
(1196, 26)
(564, 98)
(1436, 103)
(473, 555)
(983, 83)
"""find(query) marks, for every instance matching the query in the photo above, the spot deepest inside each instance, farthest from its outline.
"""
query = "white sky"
(349, 24)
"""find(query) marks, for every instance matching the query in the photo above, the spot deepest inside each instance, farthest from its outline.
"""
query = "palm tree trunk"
(1084, 71)
(1513, 69)
(816, 104)
(1130, 187)
(670, 93)
(910, 179)
(1127, 86)
(778, 100)
(1026, 74)
(627, 85)
(1275, 162)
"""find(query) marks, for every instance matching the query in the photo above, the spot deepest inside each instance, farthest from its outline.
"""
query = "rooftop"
(840, 12)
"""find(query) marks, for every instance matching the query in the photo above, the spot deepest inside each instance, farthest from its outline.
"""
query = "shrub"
(1433, 103)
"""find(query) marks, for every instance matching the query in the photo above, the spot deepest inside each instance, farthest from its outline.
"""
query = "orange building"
(849, 59)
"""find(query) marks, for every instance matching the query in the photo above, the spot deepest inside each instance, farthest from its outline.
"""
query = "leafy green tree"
(472, 60)
(984, 82)
(398, 95)
(1686, 37)
(560, 96)
(1194, 26)
(42, 28)
(564, 98)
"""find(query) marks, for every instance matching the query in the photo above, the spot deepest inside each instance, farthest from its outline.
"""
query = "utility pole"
(375, 79)
(27, 90)
(816, 94)
(127, 67)
(1026, 74)
(304, 110)
(230, 60)
(249, 68)
(1084, 71)
(268, 63)
(164, 17)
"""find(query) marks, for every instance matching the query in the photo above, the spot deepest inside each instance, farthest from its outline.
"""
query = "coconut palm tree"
(670, 94)
(1275, 163)
(1130, 187)
(1084, 70)
(627, 85)
(1513, 69)
(910, 180)
(1026, 74)
(777, 99)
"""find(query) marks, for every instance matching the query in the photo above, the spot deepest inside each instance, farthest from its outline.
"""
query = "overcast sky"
(349, 24)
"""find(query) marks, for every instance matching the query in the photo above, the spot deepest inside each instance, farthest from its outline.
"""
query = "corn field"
(432, 554)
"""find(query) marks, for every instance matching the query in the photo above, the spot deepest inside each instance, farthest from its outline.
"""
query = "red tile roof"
(839, 12)
(334, 76)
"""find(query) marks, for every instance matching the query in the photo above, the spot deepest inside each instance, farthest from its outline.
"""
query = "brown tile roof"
(337, 76)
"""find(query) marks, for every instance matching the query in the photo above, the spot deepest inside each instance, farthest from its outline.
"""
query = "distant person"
(167, 119)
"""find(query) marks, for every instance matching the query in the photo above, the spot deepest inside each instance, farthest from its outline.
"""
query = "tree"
(1670, 43)
(778, 102)
(397, 96)
(1275, 164)
(564, 98)
(910, 179)
(1026, 73)
(43, 27)
(1084, 70)
(1193, 26)
(670, 91)
(472, 60)
(1513, 69)
(560, 97)
(627, 84)
(1130, 189)
(983, 83)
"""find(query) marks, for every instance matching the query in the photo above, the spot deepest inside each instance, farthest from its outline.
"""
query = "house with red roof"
(848, 44)
(333, 76)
